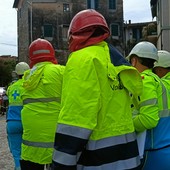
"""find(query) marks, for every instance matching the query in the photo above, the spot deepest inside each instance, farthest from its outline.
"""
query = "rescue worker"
(95, 128)
(152, 108)
(162, 66)
(41, 98)
(14, 125)
(4, 103)
(162, 69)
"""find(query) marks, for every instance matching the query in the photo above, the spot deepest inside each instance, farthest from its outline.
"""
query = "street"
(6, 160)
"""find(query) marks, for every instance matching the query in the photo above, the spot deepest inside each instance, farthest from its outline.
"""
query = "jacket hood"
(32, 77)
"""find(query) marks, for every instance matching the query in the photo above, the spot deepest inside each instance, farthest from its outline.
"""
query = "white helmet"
(21, 67)
(164, 59)
(145, 49)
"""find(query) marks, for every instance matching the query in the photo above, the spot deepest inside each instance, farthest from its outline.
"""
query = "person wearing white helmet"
(151, 108)
(162, 69)
(162, 66)
(14, 125)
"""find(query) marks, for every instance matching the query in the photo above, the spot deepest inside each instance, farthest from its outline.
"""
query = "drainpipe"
(30, 3)
(160, 2)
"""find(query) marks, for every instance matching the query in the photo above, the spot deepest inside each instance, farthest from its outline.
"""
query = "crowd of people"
(3, 103)
(101, 111)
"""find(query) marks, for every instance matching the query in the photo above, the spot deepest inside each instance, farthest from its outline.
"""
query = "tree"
(7, 65)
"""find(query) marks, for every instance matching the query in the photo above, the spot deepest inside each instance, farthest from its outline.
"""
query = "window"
(115, 30)
(135, 33)
(112, 4)
(48, 30)
(92, 4)
(66, 7)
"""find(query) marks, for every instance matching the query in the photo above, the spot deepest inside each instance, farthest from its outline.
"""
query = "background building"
(136, 32)
(160, 10)
(50, 19)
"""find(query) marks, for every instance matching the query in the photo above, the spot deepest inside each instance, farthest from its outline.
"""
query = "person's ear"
(133, 61)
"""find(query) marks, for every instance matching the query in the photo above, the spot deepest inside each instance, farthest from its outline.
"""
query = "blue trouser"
(157, 159)
(14, 135)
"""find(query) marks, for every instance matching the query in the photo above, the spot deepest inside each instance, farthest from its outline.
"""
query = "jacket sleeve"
(148, 115)
(78, 116)
(132, 81)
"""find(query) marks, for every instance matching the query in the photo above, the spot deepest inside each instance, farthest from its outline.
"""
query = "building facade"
(136, 32)
(160, 10)
(50, 19)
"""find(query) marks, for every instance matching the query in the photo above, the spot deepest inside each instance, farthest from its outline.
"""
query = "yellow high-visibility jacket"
(96, 120)
(148, 106)
(41, 99)
(153, 109)
(15, 106)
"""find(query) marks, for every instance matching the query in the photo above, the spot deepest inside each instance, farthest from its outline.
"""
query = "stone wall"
(33, 15)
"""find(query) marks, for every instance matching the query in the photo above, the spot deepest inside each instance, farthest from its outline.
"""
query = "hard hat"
(87, 18)
(41, 50)
(21, 67)
(84, 24)
(145, 49)
(164, 59)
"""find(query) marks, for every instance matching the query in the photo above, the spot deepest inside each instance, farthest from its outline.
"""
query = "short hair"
(148, 62)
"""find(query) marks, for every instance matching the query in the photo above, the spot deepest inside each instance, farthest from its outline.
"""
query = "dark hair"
(168, 68)
(20, 76)
(148, 62)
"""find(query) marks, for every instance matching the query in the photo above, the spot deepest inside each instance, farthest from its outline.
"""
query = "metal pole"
(30, 3)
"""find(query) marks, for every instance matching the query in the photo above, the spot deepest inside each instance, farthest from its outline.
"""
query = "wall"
(34, 14)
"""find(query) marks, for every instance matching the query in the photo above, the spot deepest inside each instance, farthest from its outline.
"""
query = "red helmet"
(84, 25)
(41, 50)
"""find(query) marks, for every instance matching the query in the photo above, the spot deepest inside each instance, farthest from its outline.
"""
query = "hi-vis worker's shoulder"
(148, 75)
(51, 72)
(129, 76)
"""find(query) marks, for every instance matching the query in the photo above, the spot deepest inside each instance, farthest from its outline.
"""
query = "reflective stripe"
(164, 113)
(39, 144)
(41, 51)
(111, 141)
(164, 97)
(153, 101)
(52, 99)
(121, 164)
(64, 158)
(164, 104)
(75, 131)
(15, 104)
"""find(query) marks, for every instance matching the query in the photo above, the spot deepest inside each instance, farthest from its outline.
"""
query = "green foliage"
(7, 65)
(152, 29)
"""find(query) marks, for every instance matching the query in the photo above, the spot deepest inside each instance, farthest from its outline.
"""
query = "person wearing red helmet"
(41, 105)
(95, 128)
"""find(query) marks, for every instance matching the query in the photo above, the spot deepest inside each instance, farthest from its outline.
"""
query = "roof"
(15, 5)
(153, 4)
(141, 24)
